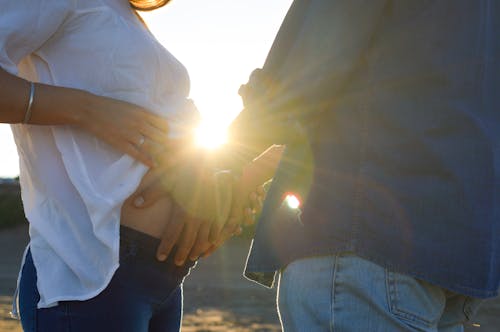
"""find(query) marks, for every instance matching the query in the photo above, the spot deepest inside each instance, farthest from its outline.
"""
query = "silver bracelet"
(27, 114)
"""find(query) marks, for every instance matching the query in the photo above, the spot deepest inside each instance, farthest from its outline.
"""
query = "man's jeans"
(348, 293)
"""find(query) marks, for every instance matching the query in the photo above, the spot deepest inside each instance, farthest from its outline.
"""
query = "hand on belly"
(151, 219)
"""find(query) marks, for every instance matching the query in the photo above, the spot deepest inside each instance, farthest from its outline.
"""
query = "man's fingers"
(249, 217)
(235, 217)
(232, 227)
(171, 235)
(225, 199)
(188, 238)
(202, 244)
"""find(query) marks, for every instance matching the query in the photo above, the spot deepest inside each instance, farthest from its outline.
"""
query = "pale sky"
(220, 42)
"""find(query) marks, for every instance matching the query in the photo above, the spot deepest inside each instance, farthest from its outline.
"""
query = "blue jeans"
(143, 296)
(348, 293)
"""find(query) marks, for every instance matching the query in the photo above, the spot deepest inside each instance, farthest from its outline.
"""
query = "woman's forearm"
(50, 103)
(129, 128)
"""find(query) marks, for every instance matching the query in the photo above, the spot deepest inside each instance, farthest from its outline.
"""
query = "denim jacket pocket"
(415, 302)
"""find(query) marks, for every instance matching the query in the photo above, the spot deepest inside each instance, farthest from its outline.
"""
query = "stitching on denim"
(474, 292)
(470, 307)
(388, 290)
(393, 305)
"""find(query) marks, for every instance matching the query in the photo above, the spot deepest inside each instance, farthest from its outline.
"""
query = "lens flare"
(292, 201)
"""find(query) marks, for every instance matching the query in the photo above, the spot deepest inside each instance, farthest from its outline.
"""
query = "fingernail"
(162, 257)
(193, 259)
(139, 201)
(179, 262)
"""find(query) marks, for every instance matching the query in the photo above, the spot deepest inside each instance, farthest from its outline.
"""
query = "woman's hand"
(127, 127)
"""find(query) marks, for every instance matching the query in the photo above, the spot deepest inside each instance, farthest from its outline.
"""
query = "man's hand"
(203, 202)
(240, 215)
(245, 204)
(160, 181)
(187, 233)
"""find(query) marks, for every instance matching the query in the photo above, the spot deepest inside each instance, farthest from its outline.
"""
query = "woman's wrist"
(53, 105)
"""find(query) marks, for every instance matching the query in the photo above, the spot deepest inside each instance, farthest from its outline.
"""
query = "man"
(397, 165)
(390, 115)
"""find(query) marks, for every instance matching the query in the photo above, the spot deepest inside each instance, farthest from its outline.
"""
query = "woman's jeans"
(144, 295)
(347, 293)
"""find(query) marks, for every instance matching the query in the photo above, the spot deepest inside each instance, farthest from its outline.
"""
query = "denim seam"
(393, 299)
(467, 310)
(332, 293)
(473, 292)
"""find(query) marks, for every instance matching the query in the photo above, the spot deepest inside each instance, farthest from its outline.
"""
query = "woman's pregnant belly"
(151, 220)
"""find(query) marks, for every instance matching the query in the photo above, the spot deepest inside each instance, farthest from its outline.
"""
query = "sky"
(220, 42)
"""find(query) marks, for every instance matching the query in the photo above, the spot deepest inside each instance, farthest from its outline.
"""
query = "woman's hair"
(145, 5)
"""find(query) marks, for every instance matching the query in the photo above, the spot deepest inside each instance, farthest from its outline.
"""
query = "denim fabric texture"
(144, 295)
(400, 102)
(348, 293)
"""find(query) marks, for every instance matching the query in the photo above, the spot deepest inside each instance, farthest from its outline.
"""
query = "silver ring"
(142, 139)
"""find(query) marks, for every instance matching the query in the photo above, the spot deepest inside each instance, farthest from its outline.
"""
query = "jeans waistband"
(143, 248)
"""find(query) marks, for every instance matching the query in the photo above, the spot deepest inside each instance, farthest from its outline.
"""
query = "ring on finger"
(141, 141)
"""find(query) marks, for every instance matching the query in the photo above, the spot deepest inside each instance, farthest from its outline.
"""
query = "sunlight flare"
(211, 134)
(292, 201)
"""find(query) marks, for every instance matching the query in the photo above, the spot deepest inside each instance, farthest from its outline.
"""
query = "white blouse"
(73, 185)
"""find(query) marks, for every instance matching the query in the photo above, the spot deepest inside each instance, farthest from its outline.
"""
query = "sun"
(211, 134)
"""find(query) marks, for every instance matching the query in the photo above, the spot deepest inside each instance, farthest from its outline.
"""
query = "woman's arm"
(127, 127)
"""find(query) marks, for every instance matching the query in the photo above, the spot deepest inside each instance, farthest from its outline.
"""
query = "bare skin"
(122, 125)
(198, 237)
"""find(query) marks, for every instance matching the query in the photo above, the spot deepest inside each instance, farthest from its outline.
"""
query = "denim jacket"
(401, 158)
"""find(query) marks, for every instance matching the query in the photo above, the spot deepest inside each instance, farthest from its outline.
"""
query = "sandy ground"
(217, 297)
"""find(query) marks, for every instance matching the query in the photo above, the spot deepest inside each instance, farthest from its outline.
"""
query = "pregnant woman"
(88, 92)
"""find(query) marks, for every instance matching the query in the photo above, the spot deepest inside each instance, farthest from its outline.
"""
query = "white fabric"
(73, 185)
